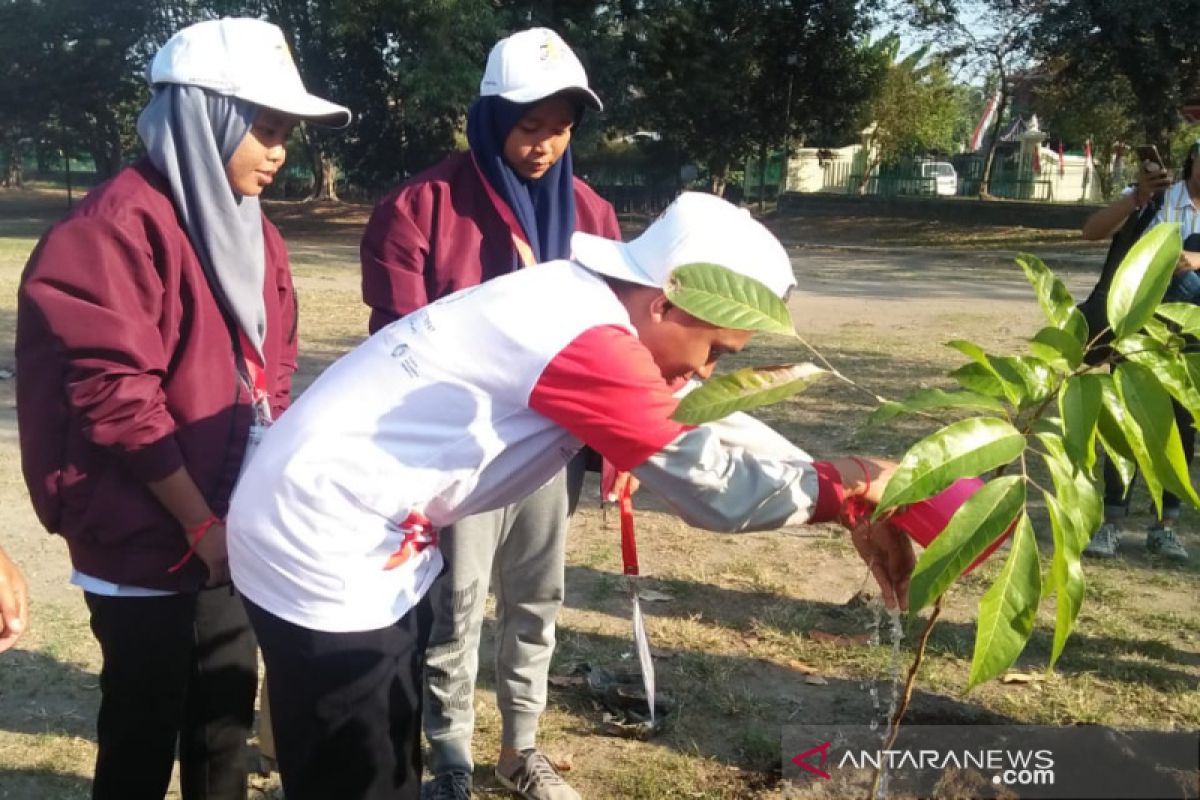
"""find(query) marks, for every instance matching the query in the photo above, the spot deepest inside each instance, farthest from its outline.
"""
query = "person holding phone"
(1153, 199)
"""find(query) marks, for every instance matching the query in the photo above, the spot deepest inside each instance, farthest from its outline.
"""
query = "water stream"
(895, 637)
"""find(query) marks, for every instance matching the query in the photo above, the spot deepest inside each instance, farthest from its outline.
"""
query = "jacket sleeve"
(731, 475)
(393, 251)
(99, 298)
(289, 319)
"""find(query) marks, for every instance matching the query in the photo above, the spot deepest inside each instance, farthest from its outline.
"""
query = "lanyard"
(254, 376)
(628, 541)
(630, 559)
(519, 240)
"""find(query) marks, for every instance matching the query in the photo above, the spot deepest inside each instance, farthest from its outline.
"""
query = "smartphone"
(1148, 152)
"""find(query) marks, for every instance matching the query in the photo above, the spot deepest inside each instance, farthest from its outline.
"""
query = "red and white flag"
(989, 116)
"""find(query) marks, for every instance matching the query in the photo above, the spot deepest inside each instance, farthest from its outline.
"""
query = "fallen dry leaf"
(840, 639)
(816, 680)
(1022, 677)
(801, 667)
(563, 761)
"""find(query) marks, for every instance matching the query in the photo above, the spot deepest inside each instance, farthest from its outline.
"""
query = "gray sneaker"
(1162, 541)
(1104, 543)
(453, 785)
(535, 778)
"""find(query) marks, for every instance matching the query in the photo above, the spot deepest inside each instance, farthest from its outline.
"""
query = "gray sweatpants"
(519, 551)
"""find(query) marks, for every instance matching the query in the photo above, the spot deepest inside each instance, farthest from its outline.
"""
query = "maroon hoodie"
(126, 372)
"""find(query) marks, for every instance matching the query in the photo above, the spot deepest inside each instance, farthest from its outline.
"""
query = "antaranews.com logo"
(1023, 761)
(1009, 767)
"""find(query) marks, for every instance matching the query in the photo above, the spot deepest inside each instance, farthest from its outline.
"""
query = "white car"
(945, 178)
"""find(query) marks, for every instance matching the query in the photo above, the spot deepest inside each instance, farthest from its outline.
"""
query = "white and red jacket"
(466, 405)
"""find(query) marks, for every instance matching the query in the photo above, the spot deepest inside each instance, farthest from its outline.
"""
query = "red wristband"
(195, 534)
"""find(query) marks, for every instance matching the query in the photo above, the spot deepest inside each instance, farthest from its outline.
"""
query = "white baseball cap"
(696, 228)
(244, 58)
(532, 65)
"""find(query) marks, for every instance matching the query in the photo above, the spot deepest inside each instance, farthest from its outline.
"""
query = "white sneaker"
(535, 778)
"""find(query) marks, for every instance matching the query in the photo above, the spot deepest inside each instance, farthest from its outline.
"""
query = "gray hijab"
(190, 134)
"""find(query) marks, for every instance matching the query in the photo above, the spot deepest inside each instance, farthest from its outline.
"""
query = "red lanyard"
(256, 374)
(628, 541)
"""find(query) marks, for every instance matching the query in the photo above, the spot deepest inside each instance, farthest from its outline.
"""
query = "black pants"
(346, 707)
(1117, 497)
(179, 671)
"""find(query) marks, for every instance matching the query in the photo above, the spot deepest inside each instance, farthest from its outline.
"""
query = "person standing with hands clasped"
(1152, 200)
(510, 202)
(156, 339)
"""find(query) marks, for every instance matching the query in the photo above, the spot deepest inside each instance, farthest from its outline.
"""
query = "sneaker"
(453, 785)
(1104, 543)
(1163, 542)
(535, 778)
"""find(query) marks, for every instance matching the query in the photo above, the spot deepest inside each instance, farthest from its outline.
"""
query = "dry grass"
(736, 640)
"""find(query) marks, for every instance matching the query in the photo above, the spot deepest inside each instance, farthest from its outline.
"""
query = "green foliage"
(1141, 279)
(727, 299)
(1008, 608)
(1056, 408)
(745, 389)
(919, 108)
(1142, 42)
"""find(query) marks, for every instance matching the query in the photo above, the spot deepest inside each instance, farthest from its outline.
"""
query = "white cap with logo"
(244, 58)
(696, 228)
(532, 65)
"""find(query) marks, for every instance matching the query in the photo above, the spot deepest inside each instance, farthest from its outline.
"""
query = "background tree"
(989, 37)
(1077, 102)
(919, 109)
(715, 77)
(1149, 42)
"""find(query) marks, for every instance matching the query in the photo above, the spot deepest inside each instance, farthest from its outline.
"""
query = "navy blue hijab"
(545, 207)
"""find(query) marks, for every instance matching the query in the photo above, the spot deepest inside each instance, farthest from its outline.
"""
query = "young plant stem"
(837, 373)
(906, 696)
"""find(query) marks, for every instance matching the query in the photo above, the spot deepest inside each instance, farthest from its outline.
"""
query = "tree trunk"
(985, 181)
(762, 176)
(869, 166)
(323, 166)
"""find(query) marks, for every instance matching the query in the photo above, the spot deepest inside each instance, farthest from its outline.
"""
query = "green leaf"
(1076, 488)
(979, 379)
(978, 522)
(724, 298)
(1150, 407)
(1142, 277)
(1173, 372)
(1121, 436)
(1066, 574)
(1008, 608)
(1079, 404)
(745, 389)
(1184, 315)
(1057, 348)
(963, 449)
(1057, 304)
(1037, 379)
(1011, 385)
(935, 398)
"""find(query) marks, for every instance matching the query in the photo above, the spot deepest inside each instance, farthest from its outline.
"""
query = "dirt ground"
(757, 631)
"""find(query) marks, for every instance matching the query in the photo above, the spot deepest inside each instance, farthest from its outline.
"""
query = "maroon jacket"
(126, 372)
(439, 232)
